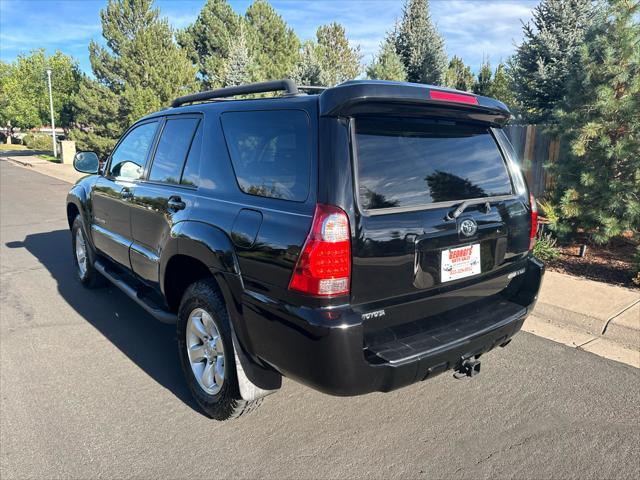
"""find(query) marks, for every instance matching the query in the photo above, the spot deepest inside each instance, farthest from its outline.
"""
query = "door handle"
(126, 193)
(175, 203)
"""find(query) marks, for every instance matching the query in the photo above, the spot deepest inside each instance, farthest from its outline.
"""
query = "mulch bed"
(610, 263)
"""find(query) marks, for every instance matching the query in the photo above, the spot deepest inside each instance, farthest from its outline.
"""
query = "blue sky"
(471, 28)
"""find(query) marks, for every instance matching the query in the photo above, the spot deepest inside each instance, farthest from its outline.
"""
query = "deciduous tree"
(24, 94)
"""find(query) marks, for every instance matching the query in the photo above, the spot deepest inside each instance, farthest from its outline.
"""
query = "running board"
(159, 313)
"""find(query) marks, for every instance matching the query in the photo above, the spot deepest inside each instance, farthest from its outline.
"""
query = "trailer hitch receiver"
(469, 367)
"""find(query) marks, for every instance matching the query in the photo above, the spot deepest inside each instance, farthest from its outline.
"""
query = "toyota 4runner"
(357, 238)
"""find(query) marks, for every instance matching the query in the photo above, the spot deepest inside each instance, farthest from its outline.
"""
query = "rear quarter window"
(415, 162)
(174, 145)
(270, 152)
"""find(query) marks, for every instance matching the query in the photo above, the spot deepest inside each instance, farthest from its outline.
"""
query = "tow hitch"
(469, 367)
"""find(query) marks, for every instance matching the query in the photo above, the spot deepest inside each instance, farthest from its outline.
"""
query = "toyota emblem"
(468, 227)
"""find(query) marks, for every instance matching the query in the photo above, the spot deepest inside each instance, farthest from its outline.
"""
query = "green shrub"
(545, 248)
(37, 142)
(549, 211)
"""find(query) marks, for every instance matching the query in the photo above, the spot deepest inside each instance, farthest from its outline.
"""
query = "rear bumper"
(326, 349)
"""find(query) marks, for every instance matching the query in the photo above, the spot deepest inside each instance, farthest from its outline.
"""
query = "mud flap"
(248, 390)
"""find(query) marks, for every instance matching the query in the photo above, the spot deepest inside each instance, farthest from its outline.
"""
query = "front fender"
(79, 197)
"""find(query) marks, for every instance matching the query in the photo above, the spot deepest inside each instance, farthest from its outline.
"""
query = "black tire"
(227, 403)
(90, 278)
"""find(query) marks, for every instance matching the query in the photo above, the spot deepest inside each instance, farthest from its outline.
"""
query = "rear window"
(270, 152)
(414, 162)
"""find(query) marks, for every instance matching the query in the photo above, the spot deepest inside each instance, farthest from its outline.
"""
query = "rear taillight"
(324, 266)
(453, 97)
(534, 222)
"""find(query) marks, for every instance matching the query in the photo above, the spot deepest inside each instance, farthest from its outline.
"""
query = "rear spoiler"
(410, 99)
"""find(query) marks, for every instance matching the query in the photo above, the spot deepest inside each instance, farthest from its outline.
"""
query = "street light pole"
(53, 125)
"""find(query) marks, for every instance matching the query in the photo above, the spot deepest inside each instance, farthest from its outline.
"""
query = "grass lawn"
(5, 147)
(51, 158)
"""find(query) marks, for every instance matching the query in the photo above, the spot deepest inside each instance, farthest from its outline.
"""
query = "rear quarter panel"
(266, 263)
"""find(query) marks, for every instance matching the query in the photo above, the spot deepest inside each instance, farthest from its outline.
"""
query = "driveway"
(90, 387)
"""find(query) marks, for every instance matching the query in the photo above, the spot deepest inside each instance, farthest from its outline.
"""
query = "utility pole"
(53, 125)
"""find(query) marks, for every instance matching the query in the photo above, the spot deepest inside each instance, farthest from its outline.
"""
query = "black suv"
(357, 238)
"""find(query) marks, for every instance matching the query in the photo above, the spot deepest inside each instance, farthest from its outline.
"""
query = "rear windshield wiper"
(452, 215)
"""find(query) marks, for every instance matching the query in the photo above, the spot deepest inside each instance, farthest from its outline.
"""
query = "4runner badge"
(370, 315)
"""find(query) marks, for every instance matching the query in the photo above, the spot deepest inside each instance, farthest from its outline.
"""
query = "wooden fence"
(535, 149)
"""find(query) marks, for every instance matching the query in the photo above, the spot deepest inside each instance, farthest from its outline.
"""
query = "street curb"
(627, 335)
(26, 163)
(624, 327)
(21, 162)
(569, 318)
(575, 338)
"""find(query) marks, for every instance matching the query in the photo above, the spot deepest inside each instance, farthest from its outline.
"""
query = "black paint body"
(250, 244)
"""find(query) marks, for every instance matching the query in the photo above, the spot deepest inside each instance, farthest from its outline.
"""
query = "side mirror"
(86, 162)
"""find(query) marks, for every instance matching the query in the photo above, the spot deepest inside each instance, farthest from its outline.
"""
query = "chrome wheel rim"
(205, 351)
(81, 253)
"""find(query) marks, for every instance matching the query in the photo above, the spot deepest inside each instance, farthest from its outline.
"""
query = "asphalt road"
(91, 387)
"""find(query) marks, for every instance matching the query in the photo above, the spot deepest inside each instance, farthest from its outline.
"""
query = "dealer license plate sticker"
(460, 262)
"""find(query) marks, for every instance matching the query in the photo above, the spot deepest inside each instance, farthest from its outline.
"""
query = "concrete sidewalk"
(56, 170)
(593, 316)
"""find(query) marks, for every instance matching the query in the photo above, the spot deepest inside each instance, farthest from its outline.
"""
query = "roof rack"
(311, 88)
(285, 85)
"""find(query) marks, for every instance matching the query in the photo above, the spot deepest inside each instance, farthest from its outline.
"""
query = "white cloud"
(475, 28)
(471, 28)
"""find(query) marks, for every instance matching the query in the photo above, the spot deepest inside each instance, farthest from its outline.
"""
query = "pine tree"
(209, 38)
(338, 61)
(308, 71)
(420, 46)
(237, 69)
(273, 45)
(484, 81)
(140, 70)
(501, 87)
(541, 66)
(459, 75)
(598, 184)
(387, 65)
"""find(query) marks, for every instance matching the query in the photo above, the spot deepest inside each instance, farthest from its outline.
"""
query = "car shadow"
(148, 343)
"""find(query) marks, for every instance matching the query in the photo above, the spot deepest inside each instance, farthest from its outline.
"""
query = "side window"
(129, 158)
(172, 150)
(270, 152)
(192, 167)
